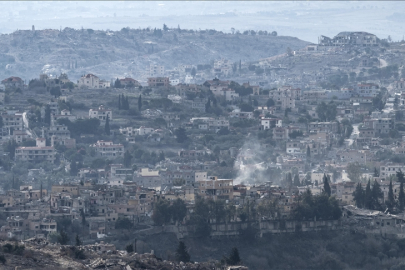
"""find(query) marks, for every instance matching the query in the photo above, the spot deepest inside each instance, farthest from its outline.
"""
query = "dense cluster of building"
(303, 133)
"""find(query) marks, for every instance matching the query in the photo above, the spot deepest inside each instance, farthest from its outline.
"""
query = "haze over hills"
(303, 19)
(128, 52)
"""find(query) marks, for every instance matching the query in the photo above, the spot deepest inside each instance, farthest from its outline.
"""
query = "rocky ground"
(39, 254)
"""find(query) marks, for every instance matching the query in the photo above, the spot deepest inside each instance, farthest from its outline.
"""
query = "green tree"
(244, 107)
(117, 83)
(376, 173)
(178, 210)
(107, 126)
(326, 186)
(289, 180)
(123, 224)
(126, 103)
(160, 122)
(181, 253)
(234, 258)
(368, 201)
(353, 171)
(391, 200)
(55, 91)
(200, 218)
(358, 196)
(119, 102)
(296, 182)
(47, 118)
(140, 103)
(401, 197)
(308, 152)
(10, 147)
(400, 176)
(270, 102)
(347, 127)
(83, 217)
(78, 241)
(63, 238)
(127, 159)
(129, 248)
(193, 72)
(326, 112)
(376, 195)
(181, 135)
(161, 212)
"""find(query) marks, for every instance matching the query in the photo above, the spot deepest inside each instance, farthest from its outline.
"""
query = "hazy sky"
(304, 19)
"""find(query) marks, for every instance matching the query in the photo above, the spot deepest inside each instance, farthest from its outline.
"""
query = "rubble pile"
(40, 254)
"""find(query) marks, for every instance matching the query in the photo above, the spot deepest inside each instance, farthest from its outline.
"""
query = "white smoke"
(250, 164)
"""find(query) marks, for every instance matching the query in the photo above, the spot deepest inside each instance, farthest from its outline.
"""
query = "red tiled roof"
(12, 79)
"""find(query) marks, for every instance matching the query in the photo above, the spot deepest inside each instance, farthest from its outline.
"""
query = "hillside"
(127, 52)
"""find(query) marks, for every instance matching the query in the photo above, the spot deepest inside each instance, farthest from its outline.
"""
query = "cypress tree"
(47, 118)
(376, 195)
(234, 258)
(308, 152)
(119, 102)
(78, 241)
(289, 180)
(376, 174)
(391, 200)
(401, 197)
(326, 186)
(107, 125)
(358, 195)
(140, 103)
(127, 103)
(400, 176)
(181, 253)
(207, 105)
(297, 182)
(367, 196)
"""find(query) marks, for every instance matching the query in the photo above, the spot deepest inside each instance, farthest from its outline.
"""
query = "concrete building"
(92, 82)
(267, 123)
(101, 113)
(36, 154)
(108, 149)
(158, 82)
(13, 83)
(129, 82)
(349, 39)
(215, 188)
(156, 71)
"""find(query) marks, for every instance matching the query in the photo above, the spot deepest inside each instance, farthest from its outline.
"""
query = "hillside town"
(312, 139)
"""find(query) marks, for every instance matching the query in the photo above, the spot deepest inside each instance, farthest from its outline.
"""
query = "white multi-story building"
(13, 121)
(101, 113)
(391, 169)
(222, 67)
(63, 114)
(129, 133)
(108, 149)
(156, 71)
(93, 82)
(142, 131)
(36, 154)
(215, 188)
(268, 123)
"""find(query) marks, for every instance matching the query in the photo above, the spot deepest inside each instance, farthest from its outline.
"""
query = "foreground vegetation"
(314, 250)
